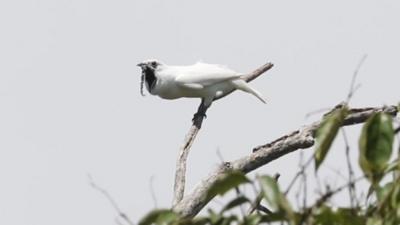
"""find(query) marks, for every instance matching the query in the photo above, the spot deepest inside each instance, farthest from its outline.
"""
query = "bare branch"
(304, 181)
(152, 192)
(110, 199)
(316, 112)
(353, 86)
(352, 90)
(191, 204)
(325, 197)
(180, 173)
(293, 181)
(219, 154)
(352, 187)
(118, 222)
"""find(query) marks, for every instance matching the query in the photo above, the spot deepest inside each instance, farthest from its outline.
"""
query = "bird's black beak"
(141, 65)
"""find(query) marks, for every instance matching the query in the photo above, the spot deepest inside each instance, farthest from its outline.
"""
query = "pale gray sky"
(70, 102)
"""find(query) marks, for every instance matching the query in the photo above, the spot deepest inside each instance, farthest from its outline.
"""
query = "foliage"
(380, 207)
(376, 143)
(326, 133)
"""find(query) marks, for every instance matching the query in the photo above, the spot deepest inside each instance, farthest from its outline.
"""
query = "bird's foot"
(198, 119)
(199, 116)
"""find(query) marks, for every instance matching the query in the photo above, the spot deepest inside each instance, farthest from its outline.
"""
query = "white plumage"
(200, 80)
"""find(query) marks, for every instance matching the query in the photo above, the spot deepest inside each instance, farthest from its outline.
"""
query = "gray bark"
(261, 155)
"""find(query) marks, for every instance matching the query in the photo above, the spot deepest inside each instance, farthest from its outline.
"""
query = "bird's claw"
(198, 115)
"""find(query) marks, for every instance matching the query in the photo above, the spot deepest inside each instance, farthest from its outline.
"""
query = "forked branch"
(180, 173)
(191, 204)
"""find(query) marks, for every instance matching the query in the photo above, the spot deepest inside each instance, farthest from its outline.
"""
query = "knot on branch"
(307, 141)
(268, 145)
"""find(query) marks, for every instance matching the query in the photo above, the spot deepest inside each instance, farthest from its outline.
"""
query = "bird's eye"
(154, 64)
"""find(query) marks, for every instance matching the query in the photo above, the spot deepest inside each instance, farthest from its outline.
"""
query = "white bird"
(200, 80)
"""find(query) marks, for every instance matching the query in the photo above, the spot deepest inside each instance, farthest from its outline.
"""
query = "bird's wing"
(201, 75)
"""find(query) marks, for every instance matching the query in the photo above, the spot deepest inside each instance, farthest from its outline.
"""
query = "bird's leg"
(201, 111)
(200, 114)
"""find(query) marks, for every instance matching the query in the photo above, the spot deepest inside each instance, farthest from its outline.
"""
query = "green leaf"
(326, 133)
(273, 217)
(158, 216)
(395, 198)
(350, 216)
(270, 191)
(199, 221)
(376, 143)
(275, 197)
(324, 215)
(227, 182)
(228, 220)
(374, 221)
(214, 217)
(343, 216)
(382, 193)
(235, 202)
(253, 219)
(393, 166)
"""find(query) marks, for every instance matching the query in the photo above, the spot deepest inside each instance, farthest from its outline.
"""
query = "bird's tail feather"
(242, 85)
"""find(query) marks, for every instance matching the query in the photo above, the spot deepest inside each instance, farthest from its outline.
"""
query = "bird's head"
(149, 69)
(150, 64)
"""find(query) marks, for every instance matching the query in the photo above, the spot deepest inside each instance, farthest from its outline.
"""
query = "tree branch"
(191, 204)
(111, 200)
(180, 173)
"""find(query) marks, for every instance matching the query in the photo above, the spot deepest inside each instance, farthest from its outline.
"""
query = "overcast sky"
(70, 103)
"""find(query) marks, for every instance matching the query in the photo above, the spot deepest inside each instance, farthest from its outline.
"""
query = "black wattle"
(150, 78)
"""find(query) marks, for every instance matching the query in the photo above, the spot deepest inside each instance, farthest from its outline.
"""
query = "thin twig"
(180, 173)
(239, 193)
(352, 187)
(353, 86)
(117, 221)
(325, 197)
(304, 180)
(219, 154)
(318, 111)
(330, 193)
(352, 90)
(293, 181)
(152, 192)
(110, 199)
(257, 200)
(337, 172)
(237, 190)
(297, 194)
